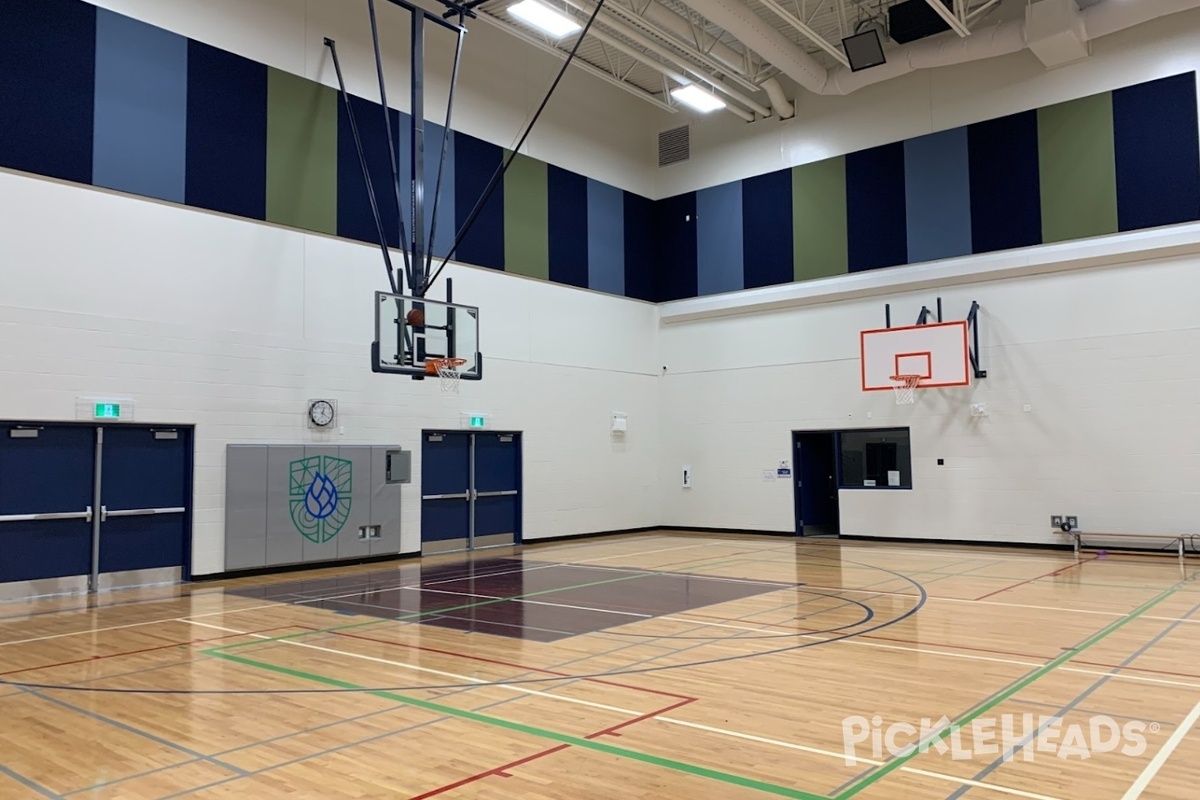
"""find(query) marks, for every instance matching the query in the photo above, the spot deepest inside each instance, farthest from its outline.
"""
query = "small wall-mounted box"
(399, 466)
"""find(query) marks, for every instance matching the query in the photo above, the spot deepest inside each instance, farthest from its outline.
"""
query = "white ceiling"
(649, 47)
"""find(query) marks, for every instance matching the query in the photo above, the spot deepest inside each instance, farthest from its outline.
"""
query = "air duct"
(1100, 20)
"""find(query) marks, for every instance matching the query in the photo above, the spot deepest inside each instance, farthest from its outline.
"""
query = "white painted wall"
(233, 325)
(726, 149)
(1104, 356)
(589, 126)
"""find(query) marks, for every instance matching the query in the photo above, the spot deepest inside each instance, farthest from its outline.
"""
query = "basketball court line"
(438, 672)
(531, 602)
(870, 778)
(29, 783)
(1051, 574)
(692, 769)
(1160, 758)
(93, 659)
(1026, 794)
(134, 624)
(1080, 697)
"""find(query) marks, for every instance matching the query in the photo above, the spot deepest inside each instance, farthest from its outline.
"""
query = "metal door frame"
(798, 489)
(472, 494)
(97, 513)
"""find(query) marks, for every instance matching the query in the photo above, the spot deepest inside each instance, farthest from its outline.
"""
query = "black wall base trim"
(594, 535)
(250, 573)
(281, 569)
(959, 542)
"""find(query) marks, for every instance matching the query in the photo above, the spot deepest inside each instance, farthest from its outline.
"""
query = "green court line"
(588, 744)
(1004, 694)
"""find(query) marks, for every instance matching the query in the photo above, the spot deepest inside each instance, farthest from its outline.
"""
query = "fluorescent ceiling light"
(692, 95)
(544, 18)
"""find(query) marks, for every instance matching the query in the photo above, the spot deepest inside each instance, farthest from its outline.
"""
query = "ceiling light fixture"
(695, 97)
(544, 18)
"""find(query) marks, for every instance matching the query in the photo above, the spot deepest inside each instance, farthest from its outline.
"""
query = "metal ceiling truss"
(649, 47)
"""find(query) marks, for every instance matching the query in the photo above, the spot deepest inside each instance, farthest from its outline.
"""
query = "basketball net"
(447, 370)
(905, 386)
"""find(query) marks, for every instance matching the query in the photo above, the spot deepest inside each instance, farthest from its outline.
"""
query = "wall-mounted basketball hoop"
(905, 386)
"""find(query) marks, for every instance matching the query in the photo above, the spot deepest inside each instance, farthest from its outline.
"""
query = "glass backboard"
(411, 330)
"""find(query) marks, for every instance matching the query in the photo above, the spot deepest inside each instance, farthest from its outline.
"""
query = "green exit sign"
(107, 411)
(476, 422)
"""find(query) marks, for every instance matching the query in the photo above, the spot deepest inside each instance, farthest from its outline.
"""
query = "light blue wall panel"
(140, 141)
(719, 239)
(606, 237)
(937, 187)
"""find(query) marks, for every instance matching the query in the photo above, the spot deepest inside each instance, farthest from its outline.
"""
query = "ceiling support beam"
(578, 62)
(806, 31)
(956, 24)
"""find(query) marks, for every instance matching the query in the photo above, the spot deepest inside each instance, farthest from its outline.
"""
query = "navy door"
(497, 488)
(470, 490)
(445, 492)
(145, 487)
(46, 493)
(816, 484)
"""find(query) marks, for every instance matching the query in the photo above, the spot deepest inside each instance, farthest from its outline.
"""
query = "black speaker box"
(915, 19)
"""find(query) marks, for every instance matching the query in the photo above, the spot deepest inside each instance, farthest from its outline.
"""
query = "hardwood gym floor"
(650, 666)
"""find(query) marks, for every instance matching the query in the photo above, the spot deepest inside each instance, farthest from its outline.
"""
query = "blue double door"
(95, 506)
(470, 490)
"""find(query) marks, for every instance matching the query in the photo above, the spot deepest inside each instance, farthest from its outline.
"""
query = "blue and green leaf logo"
(319, 491)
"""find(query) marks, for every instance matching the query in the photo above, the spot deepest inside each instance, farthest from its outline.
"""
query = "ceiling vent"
(674, 146)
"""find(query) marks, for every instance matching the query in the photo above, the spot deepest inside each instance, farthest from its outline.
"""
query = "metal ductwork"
(774, 89)
(679, 28)
(755, 33)
(1099, 20)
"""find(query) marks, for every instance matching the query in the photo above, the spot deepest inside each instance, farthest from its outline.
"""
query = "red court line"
(91, 659)
(1058, 571)
(502, 770)
(525, 667)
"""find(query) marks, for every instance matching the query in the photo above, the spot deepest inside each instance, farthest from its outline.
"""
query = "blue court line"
(136, 731)
(29, 784)
(996, 764)
(1094, 712)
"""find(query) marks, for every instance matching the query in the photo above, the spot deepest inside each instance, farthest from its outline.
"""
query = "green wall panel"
(819, 219)
(1077, 168)
(526, 218)
(302, 121)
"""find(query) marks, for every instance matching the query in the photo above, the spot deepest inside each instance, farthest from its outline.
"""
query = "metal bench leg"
(1181, 550)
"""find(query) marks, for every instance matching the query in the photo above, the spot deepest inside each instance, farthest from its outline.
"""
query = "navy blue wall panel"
(1158, 153)
(226, 132)
(1006, 192)
(767, 229)
(474, 162)
(355, 220)
(876, 225)
(568, 223)
(47, 84)
(676, 247)
(641, 264)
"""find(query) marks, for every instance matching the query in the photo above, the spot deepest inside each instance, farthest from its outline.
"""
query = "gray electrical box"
(399, 466)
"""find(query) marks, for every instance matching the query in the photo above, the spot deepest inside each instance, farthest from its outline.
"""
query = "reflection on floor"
(514, 597)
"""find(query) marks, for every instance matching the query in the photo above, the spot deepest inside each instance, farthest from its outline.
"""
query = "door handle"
(139, 512)
(84, 515)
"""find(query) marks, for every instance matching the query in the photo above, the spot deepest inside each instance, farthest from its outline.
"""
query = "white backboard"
(937, 352)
